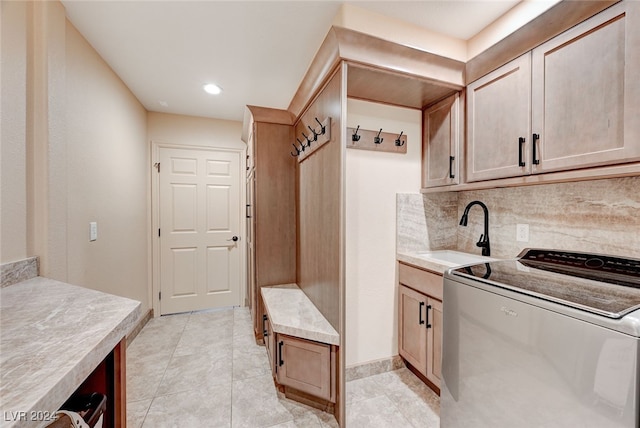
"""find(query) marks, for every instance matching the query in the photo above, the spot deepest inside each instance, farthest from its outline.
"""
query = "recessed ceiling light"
(210, 88)
(163, 103)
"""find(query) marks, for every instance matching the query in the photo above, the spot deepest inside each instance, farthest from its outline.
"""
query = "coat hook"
(398, 142)
(377, 138)
(302, 146)
(297, 151)
(355, 136)
(308, 140)
(322, 127)
(315, 134)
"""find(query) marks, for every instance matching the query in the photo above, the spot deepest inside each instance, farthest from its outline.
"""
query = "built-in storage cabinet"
(271, 205)
(301, 345)
(420, 321)
(499, 122)
(579, 104)
(305, 366)
(570, 103)
(441, 142)
(269, 341)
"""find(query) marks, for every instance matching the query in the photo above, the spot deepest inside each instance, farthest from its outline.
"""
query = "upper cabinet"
(441, 142)
(572, 102)
(498, 122)
(578, 94)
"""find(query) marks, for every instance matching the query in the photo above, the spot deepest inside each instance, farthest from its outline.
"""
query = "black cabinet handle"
(451, 174)
(428, 307)
(536, 137)
(420, 313)
(248, 211)
(264, 328)
(280, 361)
(521, 161)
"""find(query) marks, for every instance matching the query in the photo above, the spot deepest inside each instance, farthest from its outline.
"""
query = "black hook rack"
(308, 139)
(377, 138)
(315, 134)
(355, 136)
(319, 137)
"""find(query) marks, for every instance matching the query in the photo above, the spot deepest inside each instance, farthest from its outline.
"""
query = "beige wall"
(13, 175)
(194, 131)
(373, 179)
(108, 172)
(74, 150)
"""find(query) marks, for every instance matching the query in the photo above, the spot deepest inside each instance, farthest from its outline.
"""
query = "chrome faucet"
(483, 242)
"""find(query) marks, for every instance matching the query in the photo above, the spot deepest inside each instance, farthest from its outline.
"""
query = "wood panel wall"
(320, 195)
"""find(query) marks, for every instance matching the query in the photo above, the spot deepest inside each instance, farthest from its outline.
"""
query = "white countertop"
(434, 264)
(52, 336)
(291, 312)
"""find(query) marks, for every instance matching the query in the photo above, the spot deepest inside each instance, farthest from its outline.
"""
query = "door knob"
(234, 239)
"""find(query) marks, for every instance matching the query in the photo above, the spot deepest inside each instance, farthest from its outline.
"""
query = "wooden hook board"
(322, 139)
(367, 141)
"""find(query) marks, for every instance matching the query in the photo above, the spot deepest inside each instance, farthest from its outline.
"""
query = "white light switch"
(522, 233)
(93, 231)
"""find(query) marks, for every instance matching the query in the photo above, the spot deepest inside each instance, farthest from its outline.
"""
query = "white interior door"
(199, 216)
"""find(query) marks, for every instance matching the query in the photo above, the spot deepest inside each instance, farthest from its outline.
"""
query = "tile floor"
(203, 369)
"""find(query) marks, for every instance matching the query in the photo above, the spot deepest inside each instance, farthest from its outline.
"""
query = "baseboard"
(371, 368)
(142, 321)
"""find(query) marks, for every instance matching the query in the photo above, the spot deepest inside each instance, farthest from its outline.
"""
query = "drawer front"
(425, 282)
(305, 366)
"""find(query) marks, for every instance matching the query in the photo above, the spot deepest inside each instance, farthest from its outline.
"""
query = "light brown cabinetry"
(581, 82)
(271, 205)
(567, 104)
(441, 142)
(499, 121)
(420, 322)
(304, 365)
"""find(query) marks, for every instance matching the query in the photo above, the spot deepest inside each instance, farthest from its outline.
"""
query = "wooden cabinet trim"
(556, 20)
(423, 281)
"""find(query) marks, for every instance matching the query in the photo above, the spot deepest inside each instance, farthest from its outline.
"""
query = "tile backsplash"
(599, 216)
(18, 271)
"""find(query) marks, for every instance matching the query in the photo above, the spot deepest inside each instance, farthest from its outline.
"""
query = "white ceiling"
(257, 51)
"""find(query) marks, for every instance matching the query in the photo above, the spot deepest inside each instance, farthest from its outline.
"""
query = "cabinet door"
(440, 160)
(434, 341)
(499, 122)
(412, 335)
(304, 365)
(580, 99)
(270, 343)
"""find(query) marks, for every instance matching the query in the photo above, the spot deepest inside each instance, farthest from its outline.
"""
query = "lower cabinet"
(304, 365)
(420, 322)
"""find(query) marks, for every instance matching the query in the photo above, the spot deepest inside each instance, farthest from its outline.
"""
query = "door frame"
(155, 216)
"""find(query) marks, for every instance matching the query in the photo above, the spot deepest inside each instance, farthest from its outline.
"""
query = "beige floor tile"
(362, 389)
(208, 407)
(136, 412)
(255, 403)
(378, 412)
(196, 371)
